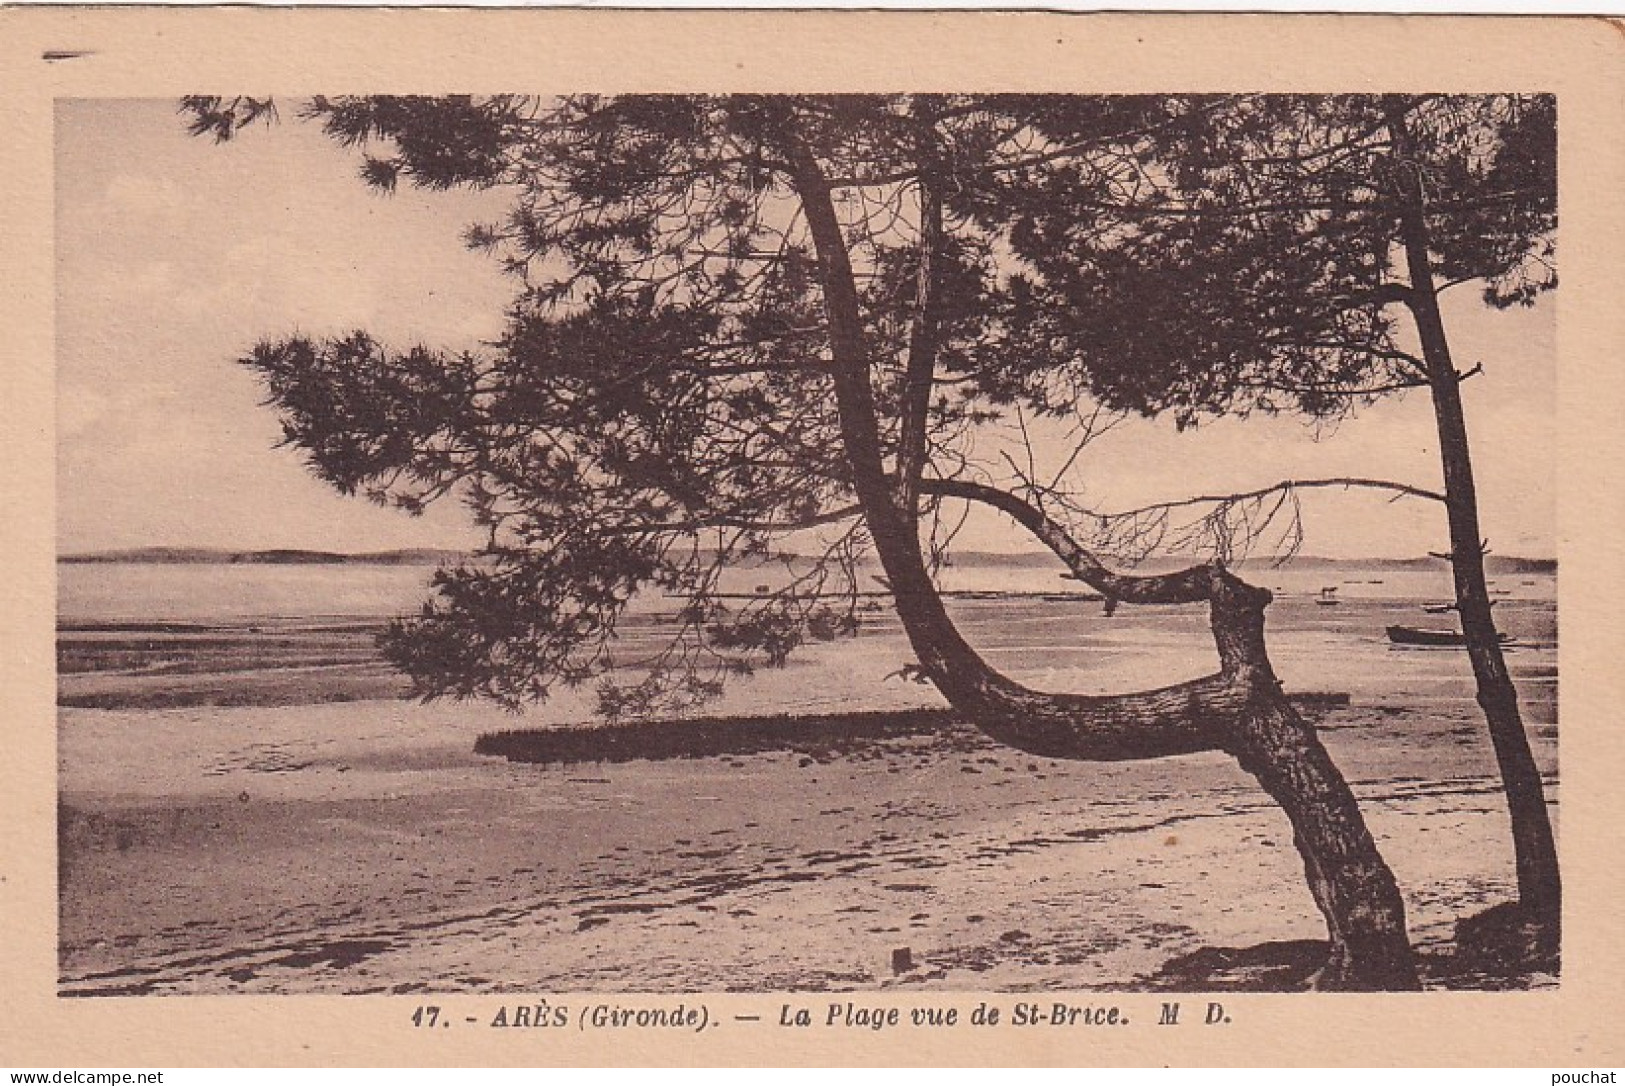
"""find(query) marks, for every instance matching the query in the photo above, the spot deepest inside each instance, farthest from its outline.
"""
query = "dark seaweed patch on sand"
(818, 736)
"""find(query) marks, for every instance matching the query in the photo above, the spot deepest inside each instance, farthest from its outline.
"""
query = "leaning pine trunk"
(1241, 710)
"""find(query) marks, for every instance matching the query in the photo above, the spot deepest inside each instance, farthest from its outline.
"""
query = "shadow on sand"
(1493, 950)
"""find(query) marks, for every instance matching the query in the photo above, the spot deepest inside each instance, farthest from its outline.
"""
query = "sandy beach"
(285, 824)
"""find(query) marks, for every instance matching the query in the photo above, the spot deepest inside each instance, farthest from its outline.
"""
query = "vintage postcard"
(811, 538)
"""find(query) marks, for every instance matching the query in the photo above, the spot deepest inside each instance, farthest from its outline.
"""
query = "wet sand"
(362, 846)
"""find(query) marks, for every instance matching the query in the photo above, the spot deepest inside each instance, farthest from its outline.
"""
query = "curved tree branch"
(725, 520)
(1195, 585)
(1399, 490)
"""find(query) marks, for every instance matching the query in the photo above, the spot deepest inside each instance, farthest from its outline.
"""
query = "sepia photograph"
(822, 542)
(812, 538)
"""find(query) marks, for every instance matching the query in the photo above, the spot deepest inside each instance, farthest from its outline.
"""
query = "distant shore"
(428, 556)
(419, 556)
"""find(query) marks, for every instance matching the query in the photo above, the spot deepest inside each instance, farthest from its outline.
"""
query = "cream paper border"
(165, 53)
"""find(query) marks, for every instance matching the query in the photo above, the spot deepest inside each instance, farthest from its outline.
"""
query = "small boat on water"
(1328, 596)
(1413, 635)
(1438, 608)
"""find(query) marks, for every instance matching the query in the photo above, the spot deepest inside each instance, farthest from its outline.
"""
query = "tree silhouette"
(747, 325)
(1288, 253)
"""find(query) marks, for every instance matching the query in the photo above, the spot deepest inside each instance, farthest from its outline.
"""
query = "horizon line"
(203, 554)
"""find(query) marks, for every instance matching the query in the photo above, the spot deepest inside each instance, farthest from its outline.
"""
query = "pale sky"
(176, 255)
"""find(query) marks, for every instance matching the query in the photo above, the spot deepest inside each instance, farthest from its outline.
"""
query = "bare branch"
(922, 345)
(1346, 483)
(720, 520)
(1193, 585)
